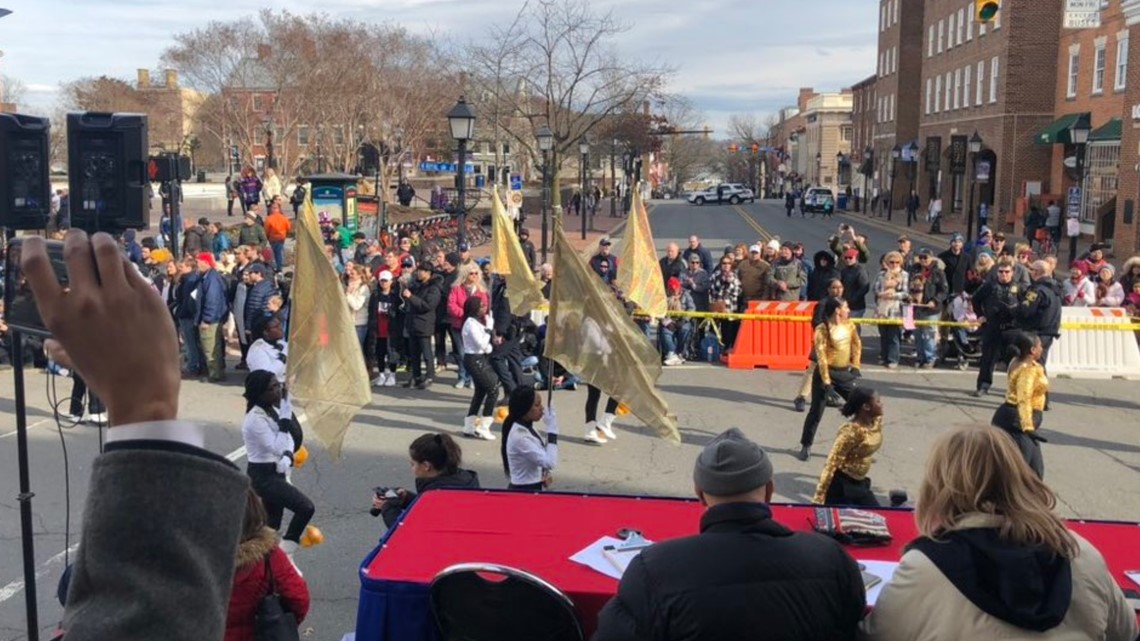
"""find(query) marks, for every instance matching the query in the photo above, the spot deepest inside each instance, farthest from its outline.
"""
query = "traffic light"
(25, 187)
(985, 10)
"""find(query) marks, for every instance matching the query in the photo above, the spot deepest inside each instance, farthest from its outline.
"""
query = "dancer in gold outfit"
(838, 352)
(1020, 415)
(844, 478)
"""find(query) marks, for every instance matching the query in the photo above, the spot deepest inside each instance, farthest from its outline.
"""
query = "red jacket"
(251, 584)
(457, 298)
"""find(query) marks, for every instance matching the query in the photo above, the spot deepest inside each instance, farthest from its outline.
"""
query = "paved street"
(1092, 459)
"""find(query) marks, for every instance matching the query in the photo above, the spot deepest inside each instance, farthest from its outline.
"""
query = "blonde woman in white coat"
(994, 561)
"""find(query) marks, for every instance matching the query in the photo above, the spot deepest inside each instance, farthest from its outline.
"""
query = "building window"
(303, 135)
(969, 23)
(950, 32)
(896, 11)
(957, 88)
(929, 87)
(883, 18)
(993, 79)
(937, 93)
(338, 135)
(895, 60)
(1098, 68)
(1121, 62)
(981, 29)
(981, 84)
(845, 134)
(880, 67)
(941, 34)
(966, 86)
(506, 148)
(961, 25)
(1074, 71)
(997, 21)
(1101, 178)
(892, 107)
(257, 102)
(949, 90)
(930, 42)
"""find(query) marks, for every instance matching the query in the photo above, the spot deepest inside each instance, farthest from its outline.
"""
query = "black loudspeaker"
(25, 186)
(107, 169)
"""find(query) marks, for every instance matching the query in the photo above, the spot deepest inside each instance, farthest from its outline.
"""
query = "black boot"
(805, 452)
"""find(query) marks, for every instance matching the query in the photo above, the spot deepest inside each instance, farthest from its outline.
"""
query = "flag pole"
(549, 316)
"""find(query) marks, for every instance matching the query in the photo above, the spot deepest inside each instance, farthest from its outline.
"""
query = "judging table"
(540, 532)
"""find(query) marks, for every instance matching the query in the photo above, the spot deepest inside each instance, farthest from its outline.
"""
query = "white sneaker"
(70, 418)
(483, 428)
(606, 426)
(469, 428)
(459, 384)
(97, 419)
(379, 380)
(390, 379)
(673, 359)
(592, 434)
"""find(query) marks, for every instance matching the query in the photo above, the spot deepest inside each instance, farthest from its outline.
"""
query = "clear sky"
(732, 56)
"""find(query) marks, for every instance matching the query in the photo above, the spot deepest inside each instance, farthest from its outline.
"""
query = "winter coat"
(972, 585)
(1126, 278)
(193, 241)
(213, 303)
(790, 272)
(701, 252)
(462, 479)
(251, 584)
(186, 304)
(824, 272)
(256, 297)
(937, 288)
(1079, 294)
(753, 276)
(725, 288)
(457, 298)
(744, 576)
(222, 242)
(671, 268)
(697, 284)
(1111, 295)
(252, 235)
(955, 266)
(422, 306)
(277, 227)
(251, 190)
(856, 286)
(444, 317)
(1039, 311)
(888, 300)
(271, 188)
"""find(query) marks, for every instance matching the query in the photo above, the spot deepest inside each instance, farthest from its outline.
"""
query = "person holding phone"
(435, 461)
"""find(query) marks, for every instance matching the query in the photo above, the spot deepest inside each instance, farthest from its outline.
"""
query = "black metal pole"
(269, 164)
(175, 218)
(891, 201)
(462, 188)
(911, 171)
(613, 181)
(1081, 183)
(970, 211)
(545, 203)
(25, 496)
(582, 197)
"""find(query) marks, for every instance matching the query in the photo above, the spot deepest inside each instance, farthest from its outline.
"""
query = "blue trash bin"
(480, 181)
(841, 202)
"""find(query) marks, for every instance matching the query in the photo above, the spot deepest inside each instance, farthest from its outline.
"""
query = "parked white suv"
(732, 193)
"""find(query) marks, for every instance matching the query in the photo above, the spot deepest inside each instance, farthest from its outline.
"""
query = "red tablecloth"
(540, 532)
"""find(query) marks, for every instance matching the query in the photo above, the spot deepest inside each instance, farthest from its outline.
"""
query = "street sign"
(516, 182)
(1074, 208)
(984, 169)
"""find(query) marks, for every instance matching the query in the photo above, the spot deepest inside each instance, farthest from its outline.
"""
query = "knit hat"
(1110, 268)
(957, 238)
(452, 259)
(672, 284)
(207, 257)
(731, 465)
(774, 245)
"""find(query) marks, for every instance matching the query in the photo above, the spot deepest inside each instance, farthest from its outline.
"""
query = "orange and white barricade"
(1086, 351)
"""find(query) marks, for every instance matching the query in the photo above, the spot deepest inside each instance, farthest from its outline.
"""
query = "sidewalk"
(920, 229)
(604, 226)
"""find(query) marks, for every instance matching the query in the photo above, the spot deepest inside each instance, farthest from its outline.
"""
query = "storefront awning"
(1108, 132)
(1057, 132)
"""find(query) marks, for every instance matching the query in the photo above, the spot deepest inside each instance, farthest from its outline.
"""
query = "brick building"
(898, 87)
(1092, 66)
(170, 111)
(1126, 237)
(863, 115)
(784, 138)
(985, 79)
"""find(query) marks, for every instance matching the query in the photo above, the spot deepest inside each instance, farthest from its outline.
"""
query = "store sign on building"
(1082, 14)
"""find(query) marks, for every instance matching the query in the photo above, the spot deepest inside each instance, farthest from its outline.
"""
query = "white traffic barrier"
(1094, 353)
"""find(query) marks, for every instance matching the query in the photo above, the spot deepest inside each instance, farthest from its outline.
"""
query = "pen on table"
(614, 548)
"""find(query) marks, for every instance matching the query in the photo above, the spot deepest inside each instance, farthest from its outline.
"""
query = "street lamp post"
(320, 160)
(818, 168)
(584, 150)
(462, 121)
(1079, 135)
(545, 143)
(911, 174)
(868, 156)
(613, 178)
(975, 146)
(896, 152)
(839, 159)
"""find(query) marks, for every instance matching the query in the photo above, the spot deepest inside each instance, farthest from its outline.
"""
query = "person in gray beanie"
(743, 573)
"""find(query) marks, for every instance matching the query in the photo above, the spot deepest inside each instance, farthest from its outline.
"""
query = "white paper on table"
(1134, 576)
(593, 556)
(885, 570)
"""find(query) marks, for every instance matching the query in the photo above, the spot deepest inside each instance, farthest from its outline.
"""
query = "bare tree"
(686, 155)
(12, 91)
(747, 128)
(563, 72)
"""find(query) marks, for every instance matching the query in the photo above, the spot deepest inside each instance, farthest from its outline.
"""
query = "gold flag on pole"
(327, 379)
(590, 334)
(639, 277)
(507, 259)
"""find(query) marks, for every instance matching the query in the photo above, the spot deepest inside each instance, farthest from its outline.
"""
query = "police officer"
(1040, 309)
(996, 301)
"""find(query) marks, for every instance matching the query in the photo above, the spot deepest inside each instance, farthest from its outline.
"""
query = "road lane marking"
(16, 587)
(764, 235)
(36, 424)
(236, 455)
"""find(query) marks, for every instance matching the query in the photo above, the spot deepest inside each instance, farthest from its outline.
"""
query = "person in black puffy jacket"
(435, 462)
(745, 576)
